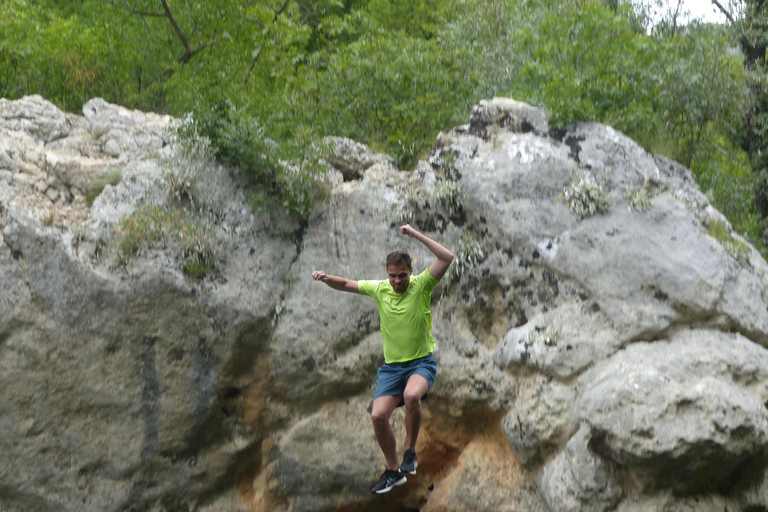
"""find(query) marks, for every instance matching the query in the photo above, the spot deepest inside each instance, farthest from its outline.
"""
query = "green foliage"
(721, 232)
(266, 81)
(588, 63)
(97, 187)
(639, 198)
(182, 171)
(472, 251)
(189, 234)
(447, 195)
(586, 197)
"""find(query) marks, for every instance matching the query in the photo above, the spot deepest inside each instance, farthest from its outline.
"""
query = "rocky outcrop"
(613, 361)
(352, 158)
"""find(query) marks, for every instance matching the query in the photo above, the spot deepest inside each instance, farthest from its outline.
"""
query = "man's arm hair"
(444, 256)
(336, 282)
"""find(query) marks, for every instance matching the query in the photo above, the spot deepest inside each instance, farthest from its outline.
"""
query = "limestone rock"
(538, 425)
(486, 477)
(314, 466)
(561, 342)
(138, 387)
(687, 413)
(35, 116)
(509, 114)
(103, 117)
(353, 158)
(578, 480)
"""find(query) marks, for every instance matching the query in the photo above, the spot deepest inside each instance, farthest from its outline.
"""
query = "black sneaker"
(388, 480)
(409, 462)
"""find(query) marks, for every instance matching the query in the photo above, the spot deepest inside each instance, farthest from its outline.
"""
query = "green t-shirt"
(406, 320)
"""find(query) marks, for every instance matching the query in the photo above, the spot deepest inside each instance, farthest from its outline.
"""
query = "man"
(410, 368)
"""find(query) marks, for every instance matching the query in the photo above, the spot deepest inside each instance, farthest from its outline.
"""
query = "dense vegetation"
(267, 79)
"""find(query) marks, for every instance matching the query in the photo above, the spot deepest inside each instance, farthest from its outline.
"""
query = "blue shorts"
(392, 377)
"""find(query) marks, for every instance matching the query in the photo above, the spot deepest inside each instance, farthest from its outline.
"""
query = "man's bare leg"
(416, 388)
(380, 413)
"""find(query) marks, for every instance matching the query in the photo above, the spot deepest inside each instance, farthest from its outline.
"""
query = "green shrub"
(167, 227)
(639, 198)
(471, 252)
(181, 172)
(721, 232)
(97, 187)
(586, 198)
(447, 195)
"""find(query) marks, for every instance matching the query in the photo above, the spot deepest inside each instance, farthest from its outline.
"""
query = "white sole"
(399, 482)
(415, 465)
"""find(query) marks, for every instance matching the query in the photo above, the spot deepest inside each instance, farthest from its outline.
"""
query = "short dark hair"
(397, 257)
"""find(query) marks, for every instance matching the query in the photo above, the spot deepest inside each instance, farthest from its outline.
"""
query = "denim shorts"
(392, 377)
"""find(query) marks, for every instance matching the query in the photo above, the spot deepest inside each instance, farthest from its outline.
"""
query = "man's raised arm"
(336, 282)
(444, 256)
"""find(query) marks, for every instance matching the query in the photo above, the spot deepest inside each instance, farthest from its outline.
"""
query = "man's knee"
(412, 399)
(380, 416)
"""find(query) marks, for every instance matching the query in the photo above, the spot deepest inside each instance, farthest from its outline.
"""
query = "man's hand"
(335, 282)
(408, 230)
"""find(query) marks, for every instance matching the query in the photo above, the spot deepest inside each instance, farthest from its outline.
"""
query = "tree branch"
(724, 11)
(133, 11)
(252, 65)
(176, 27)
(191, 53)
(280, 10)
(197, 30)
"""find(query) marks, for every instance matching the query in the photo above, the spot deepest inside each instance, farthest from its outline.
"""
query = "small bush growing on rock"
(197, 248)
(414, 198)
(639, 199)
(548, 336)
(49, 217)
(721, 232)
(97, 187)
(446, 194)
(587, 197)
(450, 195)
(147, 227)
(182, 171)
(471, 253)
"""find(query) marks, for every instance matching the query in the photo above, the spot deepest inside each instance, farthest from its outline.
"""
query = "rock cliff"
(601, 336)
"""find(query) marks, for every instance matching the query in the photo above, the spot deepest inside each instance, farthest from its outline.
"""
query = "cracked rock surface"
(613, 362)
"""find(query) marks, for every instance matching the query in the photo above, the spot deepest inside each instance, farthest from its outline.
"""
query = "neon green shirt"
(406, 320)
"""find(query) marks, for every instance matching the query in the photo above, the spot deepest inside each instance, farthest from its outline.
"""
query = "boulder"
(579, 480)
(35, 116)
(613, 361)
(353, 158)
(687, 414)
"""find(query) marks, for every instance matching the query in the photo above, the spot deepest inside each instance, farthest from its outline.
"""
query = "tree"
(752, 29)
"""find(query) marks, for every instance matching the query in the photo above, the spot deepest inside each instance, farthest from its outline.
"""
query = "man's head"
(399, 270)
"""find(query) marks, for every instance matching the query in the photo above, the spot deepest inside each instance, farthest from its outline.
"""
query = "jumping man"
(406, 330)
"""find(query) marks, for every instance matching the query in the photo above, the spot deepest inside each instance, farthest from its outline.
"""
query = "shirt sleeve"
(426, 280)
(367, 287)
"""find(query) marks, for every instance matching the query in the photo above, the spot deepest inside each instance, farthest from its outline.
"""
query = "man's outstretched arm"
(444, 256)
(336, 282)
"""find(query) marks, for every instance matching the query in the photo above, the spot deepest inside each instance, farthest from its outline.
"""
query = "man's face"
(399, 277)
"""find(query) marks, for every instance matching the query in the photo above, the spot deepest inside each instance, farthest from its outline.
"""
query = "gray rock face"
(686, 413)
(577, 480)
(36, 117)
(353, 158)
(606, 362)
